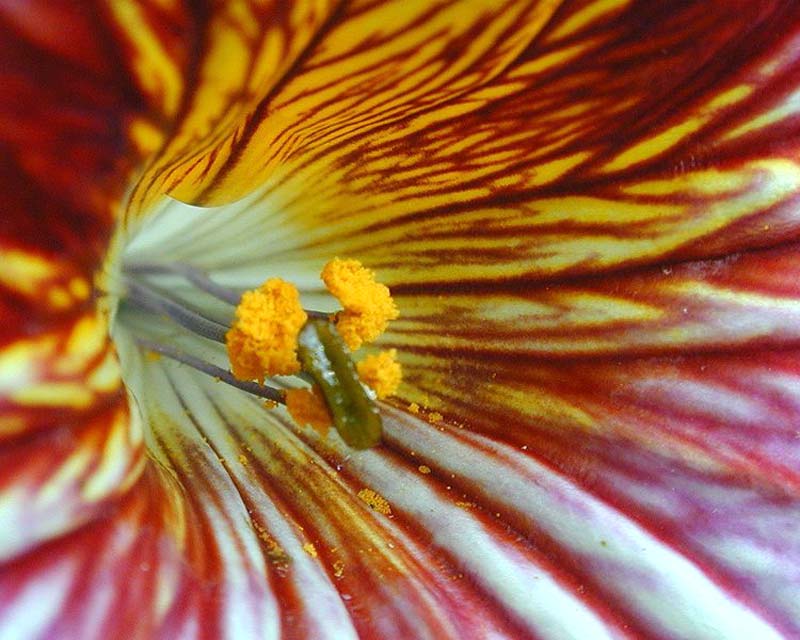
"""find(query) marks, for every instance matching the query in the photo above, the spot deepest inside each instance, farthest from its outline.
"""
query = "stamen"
(262, 341)
(192, 274)
(200, 279)
(368, 305)
(261, 390)
(270, 334)
(146, 297)
(308, 406)
(381, 372)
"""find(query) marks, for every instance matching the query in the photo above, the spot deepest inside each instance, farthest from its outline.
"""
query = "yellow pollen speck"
(423, 468)
(368, 305)
(466, 505)
(435, 417)
(338, 569)
(413, 408)
(310, 549)
(243, 459)
(270, 404)
(376, 501)
(381, 372)
(308, 407)
(263, 339)
(275, 552)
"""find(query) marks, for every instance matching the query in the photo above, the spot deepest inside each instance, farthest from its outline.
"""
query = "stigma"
(270, 336)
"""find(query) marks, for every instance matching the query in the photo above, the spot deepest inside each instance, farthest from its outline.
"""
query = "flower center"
(176, 310)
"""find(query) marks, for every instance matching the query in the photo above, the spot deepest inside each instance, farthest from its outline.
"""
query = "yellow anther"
(263, 339)
(307, 406)
(381, 372)
(368, 305)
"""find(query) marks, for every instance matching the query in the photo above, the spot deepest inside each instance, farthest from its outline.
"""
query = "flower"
(586, 212)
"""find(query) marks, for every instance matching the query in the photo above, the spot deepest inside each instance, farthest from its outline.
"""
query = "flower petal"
(678, 356)
(743, 300)
(367, 66)
(671, 368)
(288, 540)
(442, 560)
(69, 116)
(246, 49)
(241, 518)
(603, 136)
(659, 563)
(669, 394)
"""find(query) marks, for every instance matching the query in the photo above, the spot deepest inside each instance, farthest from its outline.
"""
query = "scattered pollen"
(243, 459)
(308, 407)
(376, 501)
(275, 553)
(263, 339)
(413, 408)
(466, 505)
(424, 468)
(381, 372)
(310, 549)
(435, 417)
(368, 305)
(338, 569)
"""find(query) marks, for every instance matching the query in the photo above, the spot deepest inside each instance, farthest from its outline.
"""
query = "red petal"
(68, 111)
(603, 137)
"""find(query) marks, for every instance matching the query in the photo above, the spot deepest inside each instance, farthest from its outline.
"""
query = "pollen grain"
(375, 501)
(263, 339)
(381, 372)
(368, 305)
(308, 407)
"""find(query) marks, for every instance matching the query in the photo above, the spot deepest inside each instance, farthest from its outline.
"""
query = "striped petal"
(265, 538)
(246, 50)
(72, 115)
(603, 135)
(586, 210)
(368, 65)
(600, 283)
